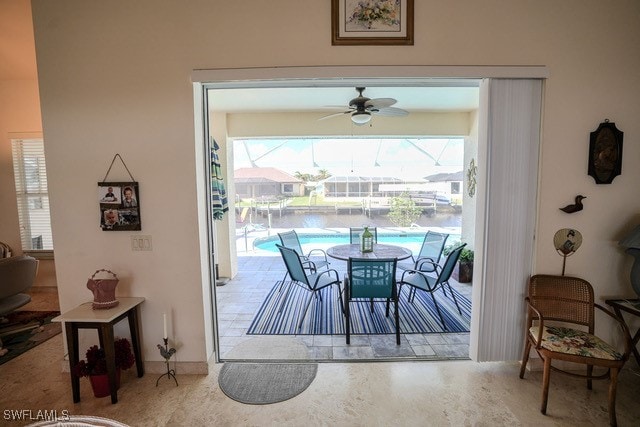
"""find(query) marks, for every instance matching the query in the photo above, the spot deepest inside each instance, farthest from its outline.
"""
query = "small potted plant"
(465, 266)
(464, 272)
(95, 366)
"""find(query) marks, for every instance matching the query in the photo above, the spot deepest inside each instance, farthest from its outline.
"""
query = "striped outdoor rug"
(325, 317)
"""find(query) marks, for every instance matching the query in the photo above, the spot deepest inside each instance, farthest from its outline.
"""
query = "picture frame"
(605, 153)
(119, 206)
(372, 22)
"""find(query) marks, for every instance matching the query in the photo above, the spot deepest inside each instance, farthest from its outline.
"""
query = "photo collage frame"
(119, 206)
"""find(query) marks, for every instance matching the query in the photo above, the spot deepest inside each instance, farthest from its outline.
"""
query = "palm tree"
(322, 174)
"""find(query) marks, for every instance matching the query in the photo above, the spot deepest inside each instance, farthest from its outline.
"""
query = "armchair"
(366, 280)
(430, 253)
(314, 282)
(560, 326)
(418, 279)
(289, 239)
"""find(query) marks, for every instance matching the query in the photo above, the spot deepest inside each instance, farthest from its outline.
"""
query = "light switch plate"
(141, 243)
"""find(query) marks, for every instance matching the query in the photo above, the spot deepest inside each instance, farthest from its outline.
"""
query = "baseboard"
(159, 367)
(184, 368)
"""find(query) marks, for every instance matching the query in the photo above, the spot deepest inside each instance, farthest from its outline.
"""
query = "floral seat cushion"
(573, 341)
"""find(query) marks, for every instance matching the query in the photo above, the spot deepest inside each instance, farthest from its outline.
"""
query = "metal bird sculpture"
(577, 206)
(166, 353)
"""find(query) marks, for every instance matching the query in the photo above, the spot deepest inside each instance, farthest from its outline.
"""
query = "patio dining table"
(344, 252)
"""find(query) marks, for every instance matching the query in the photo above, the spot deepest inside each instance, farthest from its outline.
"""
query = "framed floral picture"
(372, 22)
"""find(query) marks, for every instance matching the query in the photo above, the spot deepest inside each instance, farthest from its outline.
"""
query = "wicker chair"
(569, 300)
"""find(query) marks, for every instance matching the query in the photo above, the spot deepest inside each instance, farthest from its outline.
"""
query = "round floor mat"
(265, 383)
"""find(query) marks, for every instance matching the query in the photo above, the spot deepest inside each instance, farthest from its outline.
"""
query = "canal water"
(301, 219)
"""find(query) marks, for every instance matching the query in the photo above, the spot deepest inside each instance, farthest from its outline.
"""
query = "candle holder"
(167, 352)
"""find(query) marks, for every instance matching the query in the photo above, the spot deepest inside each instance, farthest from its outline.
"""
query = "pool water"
(411, 241)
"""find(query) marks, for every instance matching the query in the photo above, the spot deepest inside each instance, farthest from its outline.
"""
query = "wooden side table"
(84, 317)
(631, 306)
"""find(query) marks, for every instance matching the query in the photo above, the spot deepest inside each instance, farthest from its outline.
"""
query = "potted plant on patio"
(465, 266)
(95, 366)
(464, 271)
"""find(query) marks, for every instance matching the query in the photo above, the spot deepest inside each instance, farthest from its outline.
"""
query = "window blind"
(508, 155)
(32, 195)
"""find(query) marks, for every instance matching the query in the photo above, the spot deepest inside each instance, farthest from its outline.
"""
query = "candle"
(164, 325)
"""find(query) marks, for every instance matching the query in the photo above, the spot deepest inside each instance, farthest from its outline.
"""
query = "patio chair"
(356, 232)
(289, 239)
(560, 326)
(430, 253)
(313, 282)
(419, 279)
(368, 279)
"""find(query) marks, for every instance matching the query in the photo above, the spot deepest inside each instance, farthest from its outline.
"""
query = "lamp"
(632, 244)
(361, 117)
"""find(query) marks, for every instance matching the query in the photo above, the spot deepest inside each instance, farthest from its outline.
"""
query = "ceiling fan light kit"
(361, 117)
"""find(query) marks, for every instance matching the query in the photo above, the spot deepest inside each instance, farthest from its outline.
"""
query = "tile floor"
(240, 298)
(420, 393)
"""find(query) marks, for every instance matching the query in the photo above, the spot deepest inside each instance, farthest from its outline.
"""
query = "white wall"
(114, 78)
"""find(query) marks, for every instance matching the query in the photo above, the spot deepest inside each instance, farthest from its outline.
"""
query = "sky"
(405, 158)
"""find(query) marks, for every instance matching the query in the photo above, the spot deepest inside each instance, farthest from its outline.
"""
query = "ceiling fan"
(362, 108)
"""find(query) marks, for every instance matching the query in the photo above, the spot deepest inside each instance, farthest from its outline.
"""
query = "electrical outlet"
(141, 243)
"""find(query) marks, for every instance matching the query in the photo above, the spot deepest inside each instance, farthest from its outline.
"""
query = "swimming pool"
(410, 240)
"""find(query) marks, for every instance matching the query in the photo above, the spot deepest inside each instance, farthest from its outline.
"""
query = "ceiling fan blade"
(390, 112)
(380, 102)
(334, 115)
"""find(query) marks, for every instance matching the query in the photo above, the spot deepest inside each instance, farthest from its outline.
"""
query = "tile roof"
(262, 175)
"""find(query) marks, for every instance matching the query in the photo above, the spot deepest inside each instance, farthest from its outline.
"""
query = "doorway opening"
(346, 174)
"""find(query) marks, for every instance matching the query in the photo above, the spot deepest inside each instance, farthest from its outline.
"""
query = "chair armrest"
(421, 273)
(625, 329)
(331, 270)
(308, 264)
(318, 250)
(540, 321)
(433, 266)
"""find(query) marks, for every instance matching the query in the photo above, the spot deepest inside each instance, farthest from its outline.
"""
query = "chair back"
(17, 275)
(371, 278)
(289, 239)
(562, 298)
(293, 264)
(356, 232)
(449, 264)
(433, 245)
